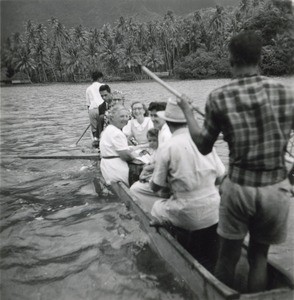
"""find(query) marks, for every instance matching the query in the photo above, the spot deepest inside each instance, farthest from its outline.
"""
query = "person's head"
(97, 76)
(173, 115)
(173, 126)
(105, 93)
(139, 109)
(118, 98)
(118, 116)
(245, 49)
(153, 108)
(152, 136)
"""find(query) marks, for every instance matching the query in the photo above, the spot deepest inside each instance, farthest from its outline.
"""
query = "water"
(59, 240)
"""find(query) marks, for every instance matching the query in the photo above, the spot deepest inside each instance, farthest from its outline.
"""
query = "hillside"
(92, 13)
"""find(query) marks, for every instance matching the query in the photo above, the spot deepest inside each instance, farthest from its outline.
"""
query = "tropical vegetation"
(194, 46)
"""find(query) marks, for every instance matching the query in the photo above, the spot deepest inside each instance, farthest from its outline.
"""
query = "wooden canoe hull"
(201, 282)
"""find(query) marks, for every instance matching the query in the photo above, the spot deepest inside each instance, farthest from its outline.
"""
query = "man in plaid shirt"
(255, 115)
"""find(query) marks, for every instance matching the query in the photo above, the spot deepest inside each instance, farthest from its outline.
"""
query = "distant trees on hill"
(190, 47)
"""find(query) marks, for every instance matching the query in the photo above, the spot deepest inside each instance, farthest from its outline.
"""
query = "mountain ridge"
(92, 13)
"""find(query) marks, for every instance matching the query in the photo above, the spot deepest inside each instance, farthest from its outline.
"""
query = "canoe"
(199, 280)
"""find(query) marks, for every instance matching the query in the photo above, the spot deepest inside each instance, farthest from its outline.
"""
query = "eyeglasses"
(137, 108)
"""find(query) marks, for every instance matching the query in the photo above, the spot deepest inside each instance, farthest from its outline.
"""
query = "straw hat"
(172, 112)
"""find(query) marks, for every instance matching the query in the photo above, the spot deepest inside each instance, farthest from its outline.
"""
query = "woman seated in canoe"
(114, 148)
(137, 128)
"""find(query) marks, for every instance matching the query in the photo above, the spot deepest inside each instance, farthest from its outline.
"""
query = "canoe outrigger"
(201, 282)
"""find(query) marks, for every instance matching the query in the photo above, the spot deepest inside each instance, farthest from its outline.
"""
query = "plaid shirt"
(256, 115)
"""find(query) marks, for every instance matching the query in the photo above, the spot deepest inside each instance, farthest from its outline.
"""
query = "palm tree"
(23, 61)
(91, 52)
(130, 55)
(41, 51)
(141, 37)
(30, 32)
(110, 53)
(79, 36)
(154, 59)
(120, 30)
(170, 39)
(73, 61)
(59, 37)
(216, 28)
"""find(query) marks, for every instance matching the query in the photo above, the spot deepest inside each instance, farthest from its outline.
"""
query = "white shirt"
(137, 130)
(164, 135)
(93, 97)
(191, 176)
(113, 169)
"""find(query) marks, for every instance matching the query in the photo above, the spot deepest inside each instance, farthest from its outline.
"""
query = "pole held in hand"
(83, 134)
(165, 85)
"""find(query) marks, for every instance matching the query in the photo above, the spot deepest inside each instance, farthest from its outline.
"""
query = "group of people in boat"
(179, 185)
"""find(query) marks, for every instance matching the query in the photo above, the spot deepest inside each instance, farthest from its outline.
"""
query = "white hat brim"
(161, 114)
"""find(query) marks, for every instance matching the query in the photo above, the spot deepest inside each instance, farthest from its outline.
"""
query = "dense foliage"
(190, 47)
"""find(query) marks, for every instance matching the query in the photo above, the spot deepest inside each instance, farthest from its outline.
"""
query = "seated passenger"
(193, 206)
(137, 127)
(152, 136)
(114, 149)
(110, 99)
(163, 135)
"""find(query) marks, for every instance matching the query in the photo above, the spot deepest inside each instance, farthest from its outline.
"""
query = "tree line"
(194, 46)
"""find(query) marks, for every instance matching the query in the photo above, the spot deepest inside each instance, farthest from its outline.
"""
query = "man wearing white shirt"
(93, 100)
(164, 133)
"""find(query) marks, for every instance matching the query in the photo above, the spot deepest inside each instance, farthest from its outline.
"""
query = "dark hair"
(245, 48)
(146, 113)
(105, 87)
(153, 132)
(158, 106)
(96, 75)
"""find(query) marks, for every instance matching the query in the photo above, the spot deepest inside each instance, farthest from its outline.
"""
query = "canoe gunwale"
(220, 289)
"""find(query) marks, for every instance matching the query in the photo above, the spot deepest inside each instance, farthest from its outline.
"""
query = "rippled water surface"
(59, 240)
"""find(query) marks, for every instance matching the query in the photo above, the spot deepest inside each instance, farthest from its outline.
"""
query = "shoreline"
(143, 80)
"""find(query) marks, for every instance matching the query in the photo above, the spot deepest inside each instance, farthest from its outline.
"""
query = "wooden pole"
(63, 156)
(83, 134)
(165, 85)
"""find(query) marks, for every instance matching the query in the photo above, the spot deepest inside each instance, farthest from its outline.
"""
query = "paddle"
(165, 85)
(73, 145)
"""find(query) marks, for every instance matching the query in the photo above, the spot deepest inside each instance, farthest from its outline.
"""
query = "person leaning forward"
(255, 115)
